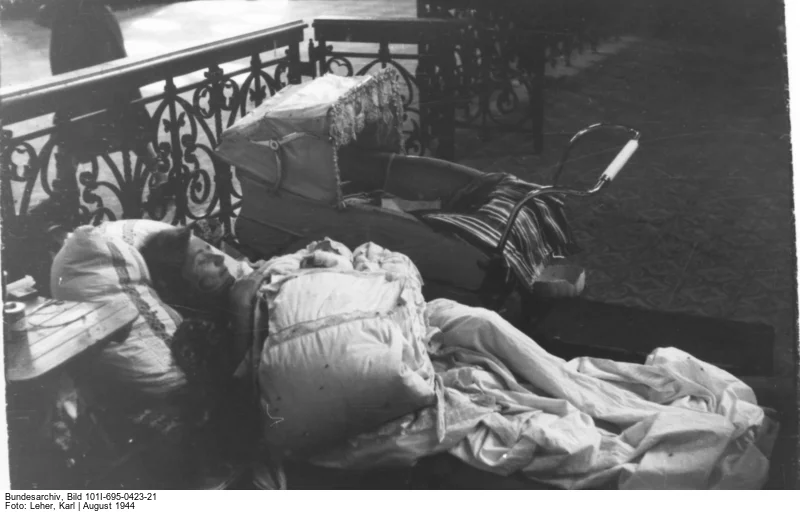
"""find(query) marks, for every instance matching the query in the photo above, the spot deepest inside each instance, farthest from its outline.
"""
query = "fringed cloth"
(480, 211)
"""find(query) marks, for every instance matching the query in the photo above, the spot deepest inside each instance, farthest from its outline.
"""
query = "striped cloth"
(479, 213)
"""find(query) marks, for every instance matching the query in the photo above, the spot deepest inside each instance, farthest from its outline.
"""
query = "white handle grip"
(619, 162)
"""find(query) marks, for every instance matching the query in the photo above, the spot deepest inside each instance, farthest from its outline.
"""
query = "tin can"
(15, 325)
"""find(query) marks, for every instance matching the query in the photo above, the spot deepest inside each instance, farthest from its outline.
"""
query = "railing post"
(538, 64)
(295, 65)
(424, 74)
(384, 53)
(65, 195)
(438, 91)
(222, 171)
(313, 57)
(130, 198)
(7, 210)
(259, 95)
(176, 173)
(223, 182)
(9, 213)
(216, 102)
(321, 55)
(486, 44)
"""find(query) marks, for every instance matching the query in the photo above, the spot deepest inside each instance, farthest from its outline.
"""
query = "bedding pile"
(346, 346)
(359, 371)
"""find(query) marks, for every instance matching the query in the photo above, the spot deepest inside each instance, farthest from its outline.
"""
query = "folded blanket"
(510, 407)
(480, 212)
(341, 337)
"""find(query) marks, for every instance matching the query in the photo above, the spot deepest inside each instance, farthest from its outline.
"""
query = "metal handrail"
(29, 100)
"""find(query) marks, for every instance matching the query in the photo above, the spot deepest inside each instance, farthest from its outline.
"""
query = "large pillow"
(136, 232)
(102, 263)
(346, 350)
(132, 231)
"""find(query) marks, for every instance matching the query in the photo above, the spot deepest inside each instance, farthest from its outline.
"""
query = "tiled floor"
(701, 220)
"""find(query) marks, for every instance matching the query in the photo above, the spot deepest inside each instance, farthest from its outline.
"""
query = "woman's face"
(204, 268)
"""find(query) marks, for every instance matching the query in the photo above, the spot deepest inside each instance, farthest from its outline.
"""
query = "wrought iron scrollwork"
(490, 68)
(82, 171)
(184, 127)
(94, 208)
(336, 63)
(502, 58)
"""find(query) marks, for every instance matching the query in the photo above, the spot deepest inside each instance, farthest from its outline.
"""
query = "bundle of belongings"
(355, 370)
(352, 369)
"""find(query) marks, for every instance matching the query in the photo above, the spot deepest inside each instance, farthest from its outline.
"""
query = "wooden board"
(58, 331)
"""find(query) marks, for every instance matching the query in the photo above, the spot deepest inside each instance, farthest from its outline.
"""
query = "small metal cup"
(15, 325)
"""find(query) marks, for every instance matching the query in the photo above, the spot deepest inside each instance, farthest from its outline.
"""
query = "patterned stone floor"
(701, 221)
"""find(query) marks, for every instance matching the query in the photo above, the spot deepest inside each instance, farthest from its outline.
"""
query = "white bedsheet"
(506, 405)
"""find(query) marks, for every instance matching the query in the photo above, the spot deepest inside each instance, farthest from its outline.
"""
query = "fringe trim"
(376, 102)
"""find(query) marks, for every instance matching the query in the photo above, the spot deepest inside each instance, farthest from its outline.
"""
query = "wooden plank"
(82, 320)
(59, 319)
(62, 330)
(38, 303)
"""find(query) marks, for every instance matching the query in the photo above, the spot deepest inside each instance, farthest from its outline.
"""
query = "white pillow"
(346, 350)
(102, 263)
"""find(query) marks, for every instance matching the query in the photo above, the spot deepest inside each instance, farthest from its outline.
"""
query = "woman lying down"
(355, 370)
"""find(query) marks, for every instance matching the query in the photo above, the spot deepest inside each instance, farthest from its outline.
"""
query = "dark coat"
(86, 33)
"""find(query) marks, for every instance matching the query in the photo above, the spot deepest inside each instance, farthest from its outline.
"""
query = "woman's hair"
(165, 253)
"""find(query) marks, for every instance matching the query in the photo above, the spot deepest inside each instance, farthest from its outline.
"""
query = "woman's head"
(205, 269)
(185, 270)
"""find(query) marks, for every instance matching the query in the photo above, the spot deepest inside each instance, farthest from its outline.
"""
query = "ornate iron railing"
(52, 168)
(501, 68)
(566, 26)
(465, 62)
(505, 53)
(106, 146)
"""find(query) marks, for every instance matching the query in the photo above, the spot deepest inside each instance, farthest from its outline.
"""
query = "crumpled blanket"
(506, 406)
